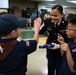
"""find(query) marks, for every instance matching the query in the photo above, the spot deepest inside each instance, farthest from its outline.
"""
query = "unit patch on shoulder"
(62, 21)
(27, 43)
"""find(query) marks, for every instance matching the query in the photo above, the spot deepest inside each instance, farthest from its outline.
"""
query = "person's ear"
(12, 32)
(63, 14)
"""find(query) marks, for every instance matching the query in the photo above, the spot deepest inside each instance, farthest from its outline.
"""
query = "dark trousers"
(54, 61)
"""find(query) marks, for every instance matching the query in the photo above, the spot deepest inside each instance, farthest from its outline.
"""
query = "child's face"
(71, 31)
(56, 16)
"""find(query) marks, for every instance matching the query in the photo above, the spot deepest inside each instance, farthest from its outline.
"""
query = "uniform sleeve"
(42, 29)
(63, 33)
(31, 46)
(74, 57)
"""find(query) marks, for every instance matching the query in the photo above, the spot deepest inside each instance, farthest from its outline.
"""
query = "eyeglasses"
(70, 29)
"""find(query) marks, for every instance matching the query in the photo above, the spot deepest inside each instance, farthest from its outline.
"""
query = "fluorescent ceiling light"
(51, 4)
(72, 1)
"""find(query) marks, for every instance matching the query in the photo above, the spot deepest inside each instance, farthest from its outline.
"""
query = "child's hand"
(60, 38)
(64, 47)
(37, 24)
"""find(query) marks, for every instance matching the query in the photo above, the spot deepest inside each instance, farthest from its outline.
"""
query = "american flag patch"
(27, 43)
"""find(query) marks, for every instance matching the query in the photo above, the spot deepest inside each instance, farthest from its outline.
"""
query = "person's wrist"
(37, 30)
(67, 51)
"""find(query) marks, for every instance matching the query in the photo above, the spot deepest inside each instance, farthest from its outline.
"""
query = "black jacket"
(53, 30)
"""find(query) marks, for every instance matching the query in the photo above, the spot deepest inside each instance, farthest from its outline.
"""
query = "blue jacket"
(65, 68)
(13, 60)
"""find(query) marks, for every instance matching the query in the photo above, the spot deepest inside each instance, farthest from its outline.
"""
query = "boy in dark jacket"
(69, 50)
(14, 53)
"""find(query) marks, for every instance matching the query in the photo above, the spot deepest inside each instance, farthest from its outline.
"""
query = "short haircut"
(72, 20)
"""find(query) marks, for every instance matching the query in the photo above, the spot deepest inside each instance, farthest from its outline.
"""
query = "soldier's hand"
(56, 46)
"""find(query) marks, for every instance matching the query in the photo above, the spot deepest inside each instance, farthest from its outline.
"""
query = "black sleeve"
(43, 29)
(31, 47)
(26, 47)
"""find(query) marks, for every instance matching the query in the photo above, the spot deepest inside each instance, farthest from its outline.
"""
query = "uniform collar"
(58, 22)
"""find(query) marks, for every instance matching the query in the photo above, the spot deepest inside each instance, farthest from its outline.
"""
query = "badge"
(62, 21)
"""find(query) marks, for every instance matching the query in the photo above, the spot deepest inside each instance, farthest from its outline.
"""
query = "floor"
(37, 62)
